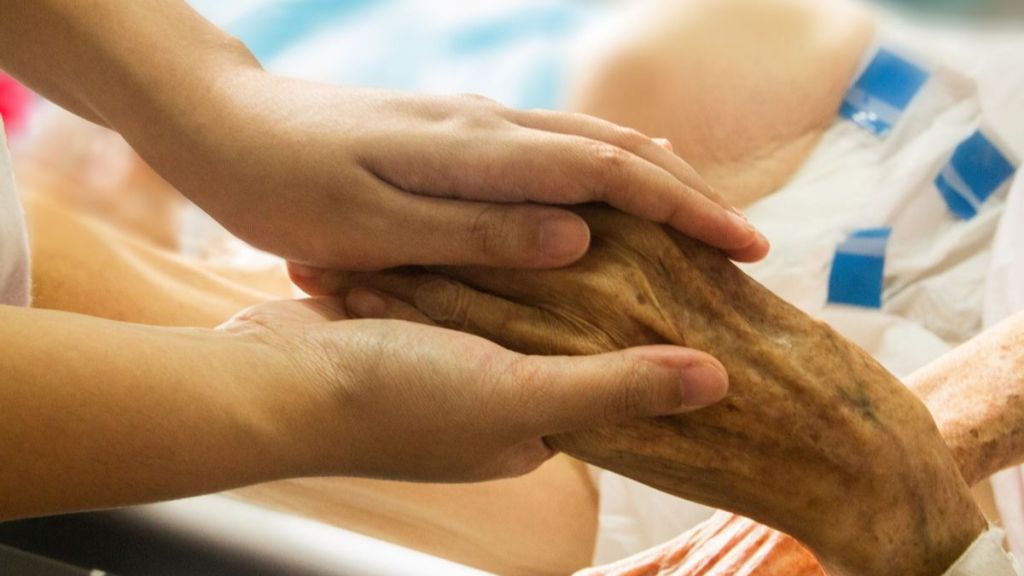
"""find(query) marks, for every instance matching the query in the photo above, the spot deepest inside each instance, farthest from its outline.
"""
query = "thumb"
(594, 391)
(437, 231)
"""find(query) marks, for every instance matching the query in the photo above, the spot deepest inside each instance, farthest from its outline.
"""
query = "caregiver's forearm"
(97, 414)
(976, 394)
(147, 68)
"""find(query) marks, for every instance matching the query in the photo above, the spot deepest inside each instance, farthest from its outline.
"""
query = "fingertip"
(755, 252)
(364, 303)
(517, 236)
(704, 383)
(740, 239)
(332, 308)
(307, 278)
(368, 304)
(701, 378)
(562, 238)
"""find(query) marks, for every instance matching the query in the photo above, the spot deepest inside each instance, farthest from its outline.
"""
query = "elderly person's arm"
(975, 393)
(743, 89)
(815, 438)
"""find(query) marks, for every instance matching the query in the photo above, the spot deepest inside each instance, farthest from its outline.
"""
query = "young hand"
(398, 400)
(358, 179)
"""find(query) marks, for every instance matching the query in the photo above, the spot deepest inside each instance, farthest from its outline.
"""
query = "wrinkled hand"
(364, 180)
(396, 400)
(724, 545)
(973, 393)
(815, 438)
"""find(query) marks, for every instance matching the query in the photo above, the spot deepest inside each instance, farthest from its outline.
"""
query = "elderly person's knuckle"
(444, 301)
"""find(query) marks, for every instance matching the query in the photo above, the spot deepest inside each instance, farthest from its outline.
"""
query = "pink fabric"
(15, 103)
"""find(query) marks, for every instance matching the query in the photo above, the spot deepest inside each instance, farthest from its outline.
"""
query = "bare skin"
(506, 527)
(743, 89)
(985, 434)
(323, 176)
(542, 523)
(975, 395)
(346, 177)
(771, 151)
(867, 482)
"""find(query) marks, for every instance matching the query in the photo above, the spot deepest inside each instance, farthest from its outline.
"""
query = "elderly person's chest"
(743, 89)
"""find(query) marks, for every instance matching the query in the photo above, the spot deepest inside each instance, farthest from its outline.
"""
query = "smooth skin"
(537, 524)
(324, 177)
(341, 177)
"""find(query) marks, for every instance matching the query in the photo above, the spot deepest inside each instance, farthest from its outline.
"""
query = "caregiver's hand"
(365, 179)
(392, 399)
(346, 178)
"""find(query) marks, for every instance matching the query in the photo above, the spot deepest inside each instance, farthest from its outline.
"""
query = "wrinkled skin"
(975, 394)
(815, 438)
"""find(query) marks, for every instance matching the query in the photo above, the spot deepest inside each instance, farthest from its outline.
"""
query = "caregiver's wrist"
(181, 121)
(269, 398)
(297, 399)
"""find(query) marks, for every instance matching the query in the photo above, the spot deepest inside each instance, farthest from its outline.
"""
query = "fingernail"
(703, 385)
(303, 271)
(365, 304)
(563, 237)
(739, 213)
(764, 239)
(664, 143)
(740, 220)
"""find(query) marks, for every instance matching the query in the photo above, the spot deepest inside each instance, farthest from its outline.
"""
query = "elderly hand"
(815, 438)
(391, 399)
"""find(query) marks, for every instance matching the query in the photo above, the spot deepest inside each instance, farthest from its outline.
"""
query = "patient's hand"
(975, 395)
(815, 438)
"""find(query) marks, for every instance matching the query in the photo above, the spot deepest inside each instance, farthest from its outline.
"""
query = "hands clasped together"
(815, 438)
(400, 180)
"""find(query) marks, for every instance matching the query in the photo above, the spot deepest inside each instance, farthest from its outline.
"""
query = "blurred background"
(525, 54)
